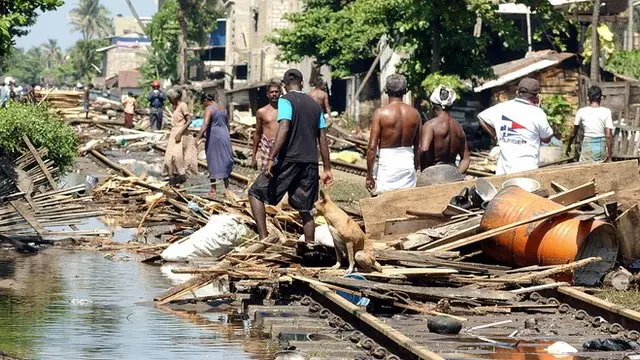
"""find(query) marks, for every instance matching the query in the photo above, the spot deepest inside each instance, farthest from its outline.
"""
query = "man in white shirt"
(598, 128)
(519, 125)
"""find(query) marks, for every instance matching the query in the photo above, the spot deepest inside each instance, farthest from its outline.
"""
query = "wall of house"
(122, 58)
(263, 62)
(239, 22)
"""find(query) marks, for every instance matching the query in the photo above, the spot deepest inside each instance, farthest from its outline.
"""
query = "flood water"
(83, 305)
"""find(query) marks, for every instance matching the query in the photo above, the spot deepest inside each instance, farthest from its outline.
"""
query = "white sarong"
(395, 169)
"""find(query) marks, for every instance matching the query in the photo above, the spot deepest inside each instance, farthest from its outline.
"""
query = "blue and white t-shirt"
(306, 119)
(519, 126)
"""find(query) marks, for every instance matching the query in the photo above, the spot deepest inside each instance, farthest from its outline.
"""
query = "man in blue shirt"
(156, 99)
(292, 166)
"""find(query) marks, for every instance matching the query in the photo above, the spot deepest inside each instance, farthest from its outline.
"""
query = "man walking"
(266, 127)
(519, 126)
(156, 99)
(596, 120)
(442, 140)
(394, 139)
(86, 100)
(5, 92)
(321, 96)
(292, 165)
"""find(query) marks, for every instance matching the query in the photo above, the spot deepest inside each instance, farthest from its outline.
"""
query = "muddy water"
(81, 305)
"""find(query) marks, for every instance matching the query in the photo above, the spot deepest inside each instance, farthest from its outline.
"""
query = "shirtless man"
(395, 131)
(320, 95)
(266, 127)
(441, 141)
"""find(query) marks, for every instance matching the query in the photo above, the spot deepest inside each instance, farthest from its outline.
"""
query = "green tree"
(435, 36)
(53, 53)
(15, 18)
(26, 66)
(85, 60)
(91, 19)
(165, 31)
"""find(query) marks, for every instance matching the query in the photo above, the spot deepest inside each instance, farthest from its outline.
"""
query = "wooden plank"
(406, 347)
(452, 238)
(505, 228)
(46, 172)
(408, 225)
(627, 226)
(27, 216)
(574, 195)
(431, 199)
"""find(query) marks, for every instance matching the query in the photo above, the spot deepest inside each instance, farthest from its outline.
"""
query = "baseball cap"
(529, 86)
(292, 74)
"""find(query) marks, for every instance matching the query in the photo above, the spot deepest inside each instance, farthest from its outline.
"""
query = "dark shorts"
(299, 180)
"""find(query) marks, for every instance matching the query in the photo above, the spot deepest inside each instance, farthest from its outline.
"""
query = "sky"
(55, 24)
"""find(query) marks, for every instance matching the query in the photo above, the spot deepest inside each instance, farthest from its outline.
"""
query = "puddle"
(87, 307)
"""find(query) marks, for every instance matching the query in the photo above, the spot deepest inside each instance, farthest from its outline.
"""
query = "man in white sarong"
(394, 140)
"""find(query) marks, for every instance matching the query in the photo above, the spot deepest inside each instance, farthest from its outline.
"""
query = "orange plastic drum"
(558, 240)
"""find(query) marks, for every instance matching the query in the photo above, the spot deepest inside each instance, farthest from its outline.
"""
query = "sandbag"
(322, 236)
(221, 234)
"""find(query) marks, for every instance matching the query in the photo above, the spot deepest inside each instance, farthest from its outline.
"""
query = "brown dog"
(347, 237)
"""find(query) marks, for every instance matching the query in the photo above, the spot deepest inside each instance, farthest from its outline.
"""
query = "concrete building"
(128, 49)
(250, 59)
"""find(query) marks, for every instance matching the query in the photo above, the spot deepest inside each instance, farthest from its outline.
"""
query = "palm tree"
(91, 19)
(53, 53)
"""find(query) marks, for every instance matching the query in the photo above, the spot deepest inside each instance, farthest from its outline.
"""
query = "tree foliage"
(15, 18)
(91, 19)
(164, 31)
(625, 63)
(44, 129)
(434, 36)
(80, 63)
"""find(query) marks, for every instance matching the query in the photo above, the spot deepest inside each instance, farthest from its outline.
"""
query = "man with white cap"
(442, 141)
(519, 125)
(5, 92)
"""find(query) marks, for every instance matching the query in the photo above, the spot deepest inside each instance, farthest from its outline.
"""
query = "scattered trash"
(221, 234)
(444, 325)
(561, 348)
(612, 344)
(80, 302)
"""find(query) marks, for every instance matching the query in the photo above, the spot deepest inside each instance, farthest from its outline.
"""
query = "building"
(129, 47)
(250, 60)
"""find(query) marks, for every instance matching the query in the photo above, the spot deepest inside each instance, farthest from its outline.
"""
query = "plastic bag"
(221, 234)
(322, 236)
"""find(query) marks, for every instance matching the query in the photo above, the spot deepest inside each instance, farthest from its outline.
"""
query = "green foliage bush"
(558, 111)
(451, 81)
(625, 63)
(44, 129)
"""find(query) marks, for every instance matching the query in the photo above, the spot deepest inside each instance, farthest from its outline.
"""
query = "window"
(242, 72)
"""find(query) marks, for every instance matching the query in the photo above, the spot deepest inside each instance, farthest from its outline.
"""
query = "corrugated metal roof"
(516, 69)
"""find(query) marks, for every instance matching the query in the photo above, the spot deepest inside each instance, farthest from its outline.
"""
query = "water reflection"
(79, 305)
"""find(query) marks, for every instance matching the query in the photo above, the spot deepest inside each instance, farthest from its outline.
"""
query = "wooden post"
(595, 48)
(34, 152)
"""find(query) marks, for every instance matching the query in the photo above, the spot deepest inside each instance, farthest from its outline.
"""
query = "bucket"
(559, 240)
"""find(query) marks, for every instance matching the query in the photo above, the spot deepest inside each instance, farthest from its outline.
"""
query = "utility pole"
(135, 14)
(595, 48)
(630, 29)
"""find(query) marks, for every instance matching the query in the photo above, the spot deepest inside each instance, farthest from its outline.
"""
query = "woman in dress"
(181, 158)
(217, 143)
